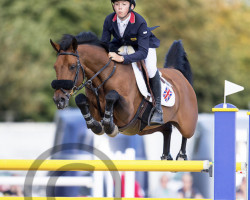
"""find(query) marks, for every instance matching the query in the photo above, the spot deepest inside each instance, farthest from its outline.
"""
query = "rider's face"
(122, 9)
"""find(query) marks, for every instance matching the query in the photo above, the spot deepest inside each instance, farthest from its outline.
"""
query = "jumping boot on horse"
(155, 83)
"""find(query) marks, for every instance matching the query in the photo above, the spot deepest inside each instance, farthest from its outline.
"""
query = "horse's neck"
(94, 58)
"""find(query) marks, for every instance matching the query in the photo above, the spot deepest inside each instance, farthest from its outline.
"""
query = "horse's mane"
(82, 38)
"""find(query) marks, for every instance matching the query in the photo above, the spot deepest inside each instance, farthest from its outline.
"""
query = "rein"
(95, 89)
(88, 83)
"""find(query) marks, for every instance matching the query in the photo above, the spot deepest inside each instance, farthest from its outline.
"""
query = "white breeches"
(151, 62)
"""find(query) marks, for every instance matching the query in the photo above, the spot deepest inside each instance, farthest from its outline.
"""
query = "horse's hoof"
(98, 130)
(109, 127)
(166, 157)
(114, 132)
(96, 127)
(181, 156)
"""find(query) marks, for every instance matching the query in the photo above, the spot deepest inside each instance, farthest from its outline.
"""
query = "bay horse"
(113, 102)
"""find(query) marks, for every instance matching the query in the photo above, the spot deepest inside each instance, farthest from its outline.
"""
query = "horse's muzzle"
(64, 84)
(61, 102)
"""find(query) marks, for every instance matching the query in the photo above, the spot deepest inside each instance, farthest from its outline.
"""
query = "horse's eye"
(72, 67)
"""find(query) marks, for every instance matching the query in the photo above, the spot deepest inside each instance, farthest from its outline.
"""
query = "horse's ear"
(74, 44)
(55, 46)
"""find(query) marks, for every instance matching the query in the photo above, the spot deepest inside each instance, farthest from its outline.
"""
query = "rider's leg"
(155, 82)
(151, 62)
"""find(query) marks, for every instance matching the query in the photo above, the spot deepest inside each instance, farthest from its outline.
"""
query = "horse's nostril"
(62, 100)
(62, 103)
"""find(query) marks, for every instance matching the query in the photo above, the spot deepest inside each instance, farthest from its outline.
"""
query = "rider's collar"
(132, 18)
(119, 21)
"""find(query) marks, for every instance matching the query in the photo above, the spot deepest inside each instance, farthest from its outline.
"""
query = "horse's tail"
(177, 58)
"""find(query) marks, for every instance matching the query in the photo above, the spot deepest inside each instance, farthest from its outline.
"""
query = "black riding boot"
(155, 82)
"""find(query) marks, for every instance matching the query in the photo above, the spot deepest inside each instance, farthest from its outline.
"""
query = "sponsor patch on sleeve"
(145, 32)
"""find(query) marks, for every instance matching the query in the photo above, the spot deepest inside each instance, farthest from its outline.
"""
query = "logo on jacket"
(133, 39)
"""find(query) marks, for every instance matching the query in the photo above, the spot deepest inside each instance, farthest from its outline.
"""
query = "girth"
(140, 120)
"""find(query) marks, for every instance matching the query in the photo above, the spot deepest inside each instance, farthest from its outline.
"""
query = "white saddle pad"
(168, 95)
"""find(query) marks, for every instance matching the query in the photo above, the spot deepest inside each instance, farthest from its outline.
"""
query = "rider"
(130, 29)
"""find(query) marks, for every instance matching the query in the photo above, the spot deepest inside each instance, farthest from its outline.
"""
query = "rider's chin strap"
(130, 8)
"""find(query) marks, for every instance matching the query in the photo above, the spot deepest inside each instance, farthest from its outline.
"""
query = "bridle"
(88, 83)
(75, 89)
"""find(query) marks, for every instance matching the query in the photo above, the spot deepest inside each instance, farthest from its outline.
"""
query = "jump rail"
(107, 165)
(87, 198)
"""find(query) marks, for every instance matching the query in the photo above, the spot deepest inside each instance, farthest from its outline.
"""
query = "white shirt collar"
(122, 25)
(119, 21)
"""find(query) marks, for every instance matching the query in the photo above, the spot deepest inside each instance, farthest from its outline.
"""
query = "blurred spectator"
(163, 190)
(138, 190)
(241, 192)
(188, 190)
(1, 190)
(13, 191)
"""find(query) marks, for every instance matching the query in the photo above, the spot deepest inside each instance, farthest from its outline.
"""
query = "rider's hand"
(116, 57)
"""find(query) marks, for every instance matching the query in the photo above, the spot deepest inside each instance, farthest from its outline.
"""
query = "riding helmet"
(132, 2)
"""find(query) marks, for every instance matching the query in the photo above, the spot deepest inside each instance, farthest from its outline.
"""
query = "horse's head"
(68, 68)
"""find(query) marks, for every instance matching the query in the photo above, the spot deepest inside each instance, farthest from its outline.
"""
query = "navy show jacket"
(137, 34)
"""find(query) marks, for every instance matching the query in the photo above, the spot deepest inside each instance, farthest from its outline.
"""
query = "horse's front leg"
(82, 103)
(108, 121)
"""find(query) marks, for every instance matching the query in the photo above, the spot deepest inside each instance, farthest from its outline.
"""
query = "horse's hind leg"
(109, 127)
(182, 153)
(82, 103)
(167, 131)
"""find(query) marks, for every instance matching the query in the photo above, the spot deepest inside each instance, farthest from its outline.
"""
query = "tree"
(27, 58)
(212, 32)
(215, 34)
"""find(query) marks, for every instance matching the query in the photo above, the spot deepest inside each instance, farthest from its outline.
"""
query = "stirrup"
(156, 117)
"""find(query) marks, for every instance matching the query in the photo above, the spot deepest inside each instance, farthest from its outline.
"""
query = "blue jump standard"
(224, 152)
(248, 163)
